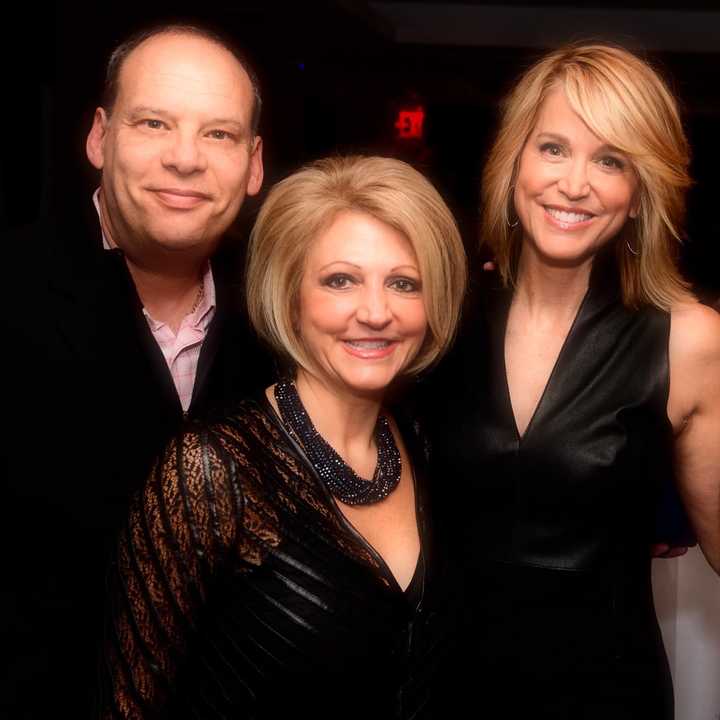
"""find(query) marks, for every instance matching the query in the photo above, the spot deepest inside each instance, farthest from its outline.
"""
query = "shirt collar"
(108, 243)
(202, 315)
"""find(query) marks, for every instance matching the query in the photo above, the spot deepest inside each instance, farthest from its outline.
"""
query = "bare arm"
(694, 410)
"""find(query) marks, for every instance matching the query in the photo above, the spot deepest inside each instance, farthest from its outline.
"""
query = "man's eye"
(220, 135)
(404, 284)
(154, 124)
(338, 281)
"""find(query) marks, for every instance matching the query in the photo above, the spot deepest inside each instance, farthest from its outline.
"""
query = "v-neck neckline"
(386, 572)
(521, 437)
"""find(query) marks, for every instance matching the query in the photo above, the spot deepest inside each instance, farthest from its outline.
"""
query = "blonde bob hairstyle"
(298, 209)
(625, 103)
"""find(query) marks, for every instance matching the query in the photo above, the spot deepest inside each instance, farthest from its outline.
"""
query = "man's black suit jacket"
(89, 404)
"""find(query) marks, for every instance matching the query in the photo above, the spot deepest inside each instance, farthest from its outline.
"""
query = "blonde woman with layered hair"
(588, 376)
(624, 101)
(281, 562)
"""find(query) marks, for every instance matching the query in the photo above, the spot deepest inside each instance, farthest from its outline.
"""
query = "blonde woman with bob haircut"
(280, 562)
(587, 374)
(300, 207)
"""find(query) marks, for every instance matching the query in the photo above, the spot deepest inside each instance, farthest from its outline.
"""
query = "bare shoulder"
(694, 361)
(694, 334)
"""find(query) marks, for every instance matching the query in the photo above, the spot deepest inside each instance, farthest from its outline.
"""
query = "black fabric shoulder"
(178, 533)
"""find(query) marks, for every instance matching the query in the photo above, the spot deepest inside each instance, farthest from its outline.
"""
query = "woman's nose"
(574, 182)
(373, 309)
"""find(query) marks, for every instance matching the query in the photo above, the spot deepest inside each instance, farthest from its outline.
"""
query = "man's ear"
(95, 143)
(256, 172)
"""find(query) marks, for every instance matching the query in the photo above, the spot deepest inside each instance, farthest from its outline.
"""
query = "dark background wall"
(334, 74)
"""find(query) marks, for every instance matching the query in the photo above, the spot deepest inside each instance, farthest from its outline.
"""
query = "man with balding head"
(142, 329)
(177, 144)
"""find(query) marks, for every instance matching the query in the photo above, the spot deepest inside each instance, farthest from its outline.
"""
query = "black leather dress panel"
(555, 525)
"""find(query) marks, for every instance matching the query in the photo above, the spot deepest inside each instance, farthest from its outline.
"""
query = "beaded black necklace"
(342, 481)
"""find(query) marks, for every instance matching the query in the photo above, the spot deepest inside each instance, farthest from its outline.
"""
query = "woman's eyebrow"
(554, 136)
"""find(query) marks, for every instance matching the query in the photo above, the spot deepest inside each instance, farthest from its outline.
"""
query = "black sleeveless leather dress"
(554, 527)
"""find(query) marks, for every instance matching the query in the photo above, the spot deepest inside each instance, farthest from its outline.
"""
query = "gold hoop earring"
(629, 247)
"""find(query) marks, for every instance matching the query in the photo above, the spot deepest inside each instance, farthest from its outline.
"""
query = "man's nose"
(184, 154)
(374, 309)
(574, 183)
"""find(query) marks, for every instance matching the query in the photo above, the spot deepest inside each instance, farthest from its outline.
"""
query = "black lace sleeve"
(177, 536)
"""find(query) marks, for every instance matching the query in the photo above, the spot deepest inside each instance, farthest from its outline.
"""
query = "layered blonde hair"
(299, 208)
(625, 103)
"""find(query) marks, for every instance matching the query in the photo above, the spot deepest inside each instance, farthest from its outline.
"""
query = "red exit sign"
(409, 123)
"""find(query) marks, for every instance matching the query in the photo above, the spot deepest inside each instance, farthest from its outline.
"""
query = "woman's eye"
(338, 282)
(405, 285)
(552, 149)
(612, 162)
